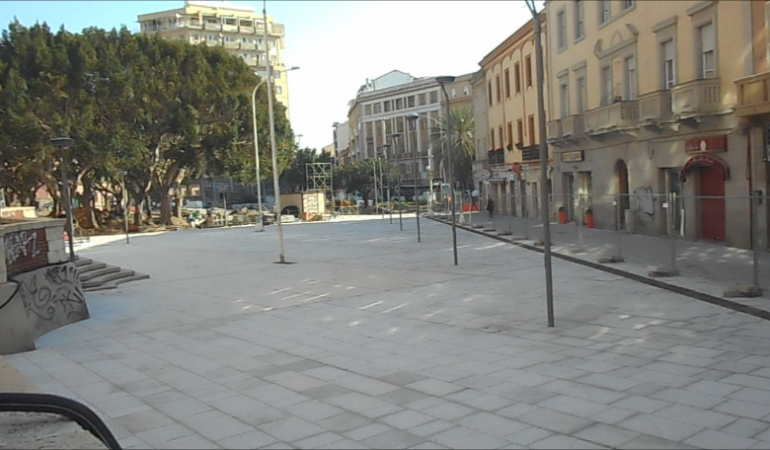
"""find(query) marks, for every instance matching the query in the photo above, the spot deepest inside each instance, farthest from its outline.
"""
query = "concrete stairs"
(98, 276)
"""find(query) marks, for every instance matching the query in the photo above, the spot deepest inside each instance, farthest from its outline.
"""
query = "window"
(278, 90)
(410, 101)
(467, 90)
(500, 136)
(507, 83)
(509, 129)
(531, 123)
(454, 93)
(433, 97)
(627, 4)
(707, 50)
(629, 68)
(582, 98)
(528, 69)
(561, 22)
(579, 19)
(489, 91)
(604, 12)
(277, 74)
(606, 77)
(520, 132)
(399, 104)
(668, 64)
(386, 106)
(564, 96)
(376, 108)
(517, 77)
(497, 88)
(492, 138)
(368, 110)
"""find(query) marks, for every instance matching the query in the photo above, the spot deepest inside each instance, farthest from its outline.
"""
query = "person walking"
(490, 207)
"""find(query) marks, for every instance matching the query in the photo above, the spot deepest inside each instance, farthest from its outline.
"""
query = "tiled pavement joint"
(746, 309)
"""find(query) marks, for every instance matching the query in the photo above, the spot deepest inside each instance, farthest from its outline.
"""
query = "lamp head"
(412, 116)
(445, 79)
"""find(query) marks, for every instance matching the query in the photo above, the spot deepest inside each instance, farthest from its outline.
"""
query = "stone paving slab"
(372, 340)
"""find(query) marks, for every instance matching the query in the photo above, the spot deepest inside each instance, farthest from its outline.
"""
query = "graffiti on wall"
(53, 293)
(25, 250)
(645, 200)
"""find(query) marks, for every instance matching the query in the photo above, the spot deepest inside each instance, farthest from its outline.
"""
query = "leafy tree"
(464, 147)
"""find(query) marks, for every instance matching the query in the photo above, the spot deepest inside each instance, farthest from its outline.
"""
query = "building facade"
(341, 133)
(480, 163)
(643, 107)
(513, 132)
(379, 127)
(235, 27)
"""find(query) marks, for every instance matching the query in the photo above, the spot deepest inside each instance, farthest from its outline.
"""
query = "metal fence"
(711, 238)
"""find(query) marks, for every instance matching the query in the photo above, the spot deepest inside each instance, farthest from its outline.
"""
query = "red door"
(712, 209)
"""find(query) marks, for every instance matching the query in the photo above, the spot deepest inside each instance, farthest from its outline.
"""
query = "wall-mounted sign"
(574, 156)
(481, 174)
(711, 144)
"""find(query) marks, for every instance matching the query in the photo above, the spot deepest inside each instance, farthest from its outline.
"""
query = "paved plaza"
(371, 340)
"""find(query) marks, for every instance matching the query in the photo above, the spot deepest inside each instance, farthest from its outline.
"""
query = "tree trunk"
(170, 182)
(85, 199)
(138, 198)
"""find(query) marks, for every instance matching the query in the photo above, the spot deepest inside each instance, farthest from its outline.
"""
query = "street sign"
(481, 174)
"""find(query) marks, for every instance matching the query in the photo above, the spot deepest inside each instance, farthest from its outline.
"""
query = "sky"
(336, 44)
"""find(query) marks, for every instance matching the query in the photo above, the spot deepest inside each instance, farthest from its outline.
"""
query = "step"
(99, 281)
(99, 288)
(98, 273)
(135, 277)
(83, 262)
(90, 268)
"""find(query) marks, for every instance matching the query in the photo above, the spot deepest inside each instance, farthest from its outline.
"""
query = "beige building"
(643, 106)
(512, 134)
(380, 111)
(236, 27)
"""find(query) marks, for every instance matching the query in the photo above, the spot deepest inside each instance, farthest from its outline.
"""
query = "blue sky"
(336, 44)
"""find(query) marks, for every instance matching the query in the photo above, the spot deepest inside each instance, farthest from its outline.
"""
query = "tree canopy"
(139, 107)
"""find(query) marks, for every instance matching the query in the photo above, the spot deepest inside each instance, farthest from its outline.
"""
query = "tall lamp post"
(63, 142)
(543, 159)
(259, 225)
(393, 137)
(385, 148)
(412, 117)
(443, 81)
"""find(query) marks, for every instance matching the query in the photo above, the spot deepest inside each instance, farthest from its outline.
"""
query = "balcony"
(696, 98)
(496, 157)
(246, 29)
(573, 126)
(191, 25)
(251, 62)
(554, 128)
(248, 46)
(232, 45)
(276, 30)
(655, 107)
(213, 43)
(211, 26)
(614, 117)
(230, 28)
(753, 95)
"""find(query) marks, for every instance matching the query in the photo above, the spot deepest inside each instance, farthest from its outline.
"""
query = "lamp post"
(393, 137)
(443, 81)
(543, 159)
(385, 148)
(259, 225)
(63, 142)
(411, 118)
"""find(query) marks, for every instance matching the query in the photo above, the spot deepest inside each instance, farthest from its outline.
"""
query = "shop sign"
(574, 156)
(711, 144)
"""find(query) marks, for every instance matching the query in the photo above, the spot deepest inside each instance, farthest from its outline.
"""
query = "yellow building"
(643, 106)
(513, 153)
(237, 28)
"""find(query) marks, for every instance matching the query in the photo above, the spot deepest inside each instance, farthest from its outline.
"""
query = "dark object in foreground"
(54, 404)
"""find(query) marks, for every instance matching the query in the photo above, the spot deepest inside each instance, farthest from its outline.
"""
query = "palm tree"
(462, 134)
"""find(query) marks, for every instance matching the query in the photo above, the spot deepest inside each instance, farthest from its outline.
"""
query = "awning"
(705, 161)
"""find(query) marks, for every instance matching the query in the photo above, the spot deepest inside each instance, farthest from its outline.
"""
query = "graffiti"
(645, 200)
(25, 250)
(53, 293)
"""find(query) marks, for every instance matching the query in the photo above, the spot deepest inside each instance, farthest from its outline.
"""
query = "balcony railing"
(251, 62)
(496, 157)
(230, 28)
(616, 116)
(212, 26)
(554, 129)
(573, 126)
(248, 46)
(696, 98)
(232, 45)
(276, 30)
(213, 43)
(753, 95)
(655, 107)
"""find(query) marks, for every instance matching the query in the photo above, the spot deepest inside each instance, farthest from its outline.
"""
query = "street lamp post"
(443, 81)
(62, 143)
(385, 148)
(412, 118)
(393, 137)
(259, 225)
(543, 160)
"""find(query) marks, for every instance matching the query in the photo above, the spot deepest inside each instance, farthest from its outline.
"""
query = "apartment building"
(643, 106)
(341, 133)
(480, 163)
(379, 127)
(235, 27)
(753, 103)
(513, 144)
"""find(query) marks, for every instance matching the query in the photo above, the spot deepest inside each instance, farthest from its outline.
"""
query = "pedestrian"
(490, 207)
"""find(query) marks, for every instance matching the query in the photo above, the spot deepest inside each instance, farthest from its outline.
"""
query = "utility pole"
(544, 191)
